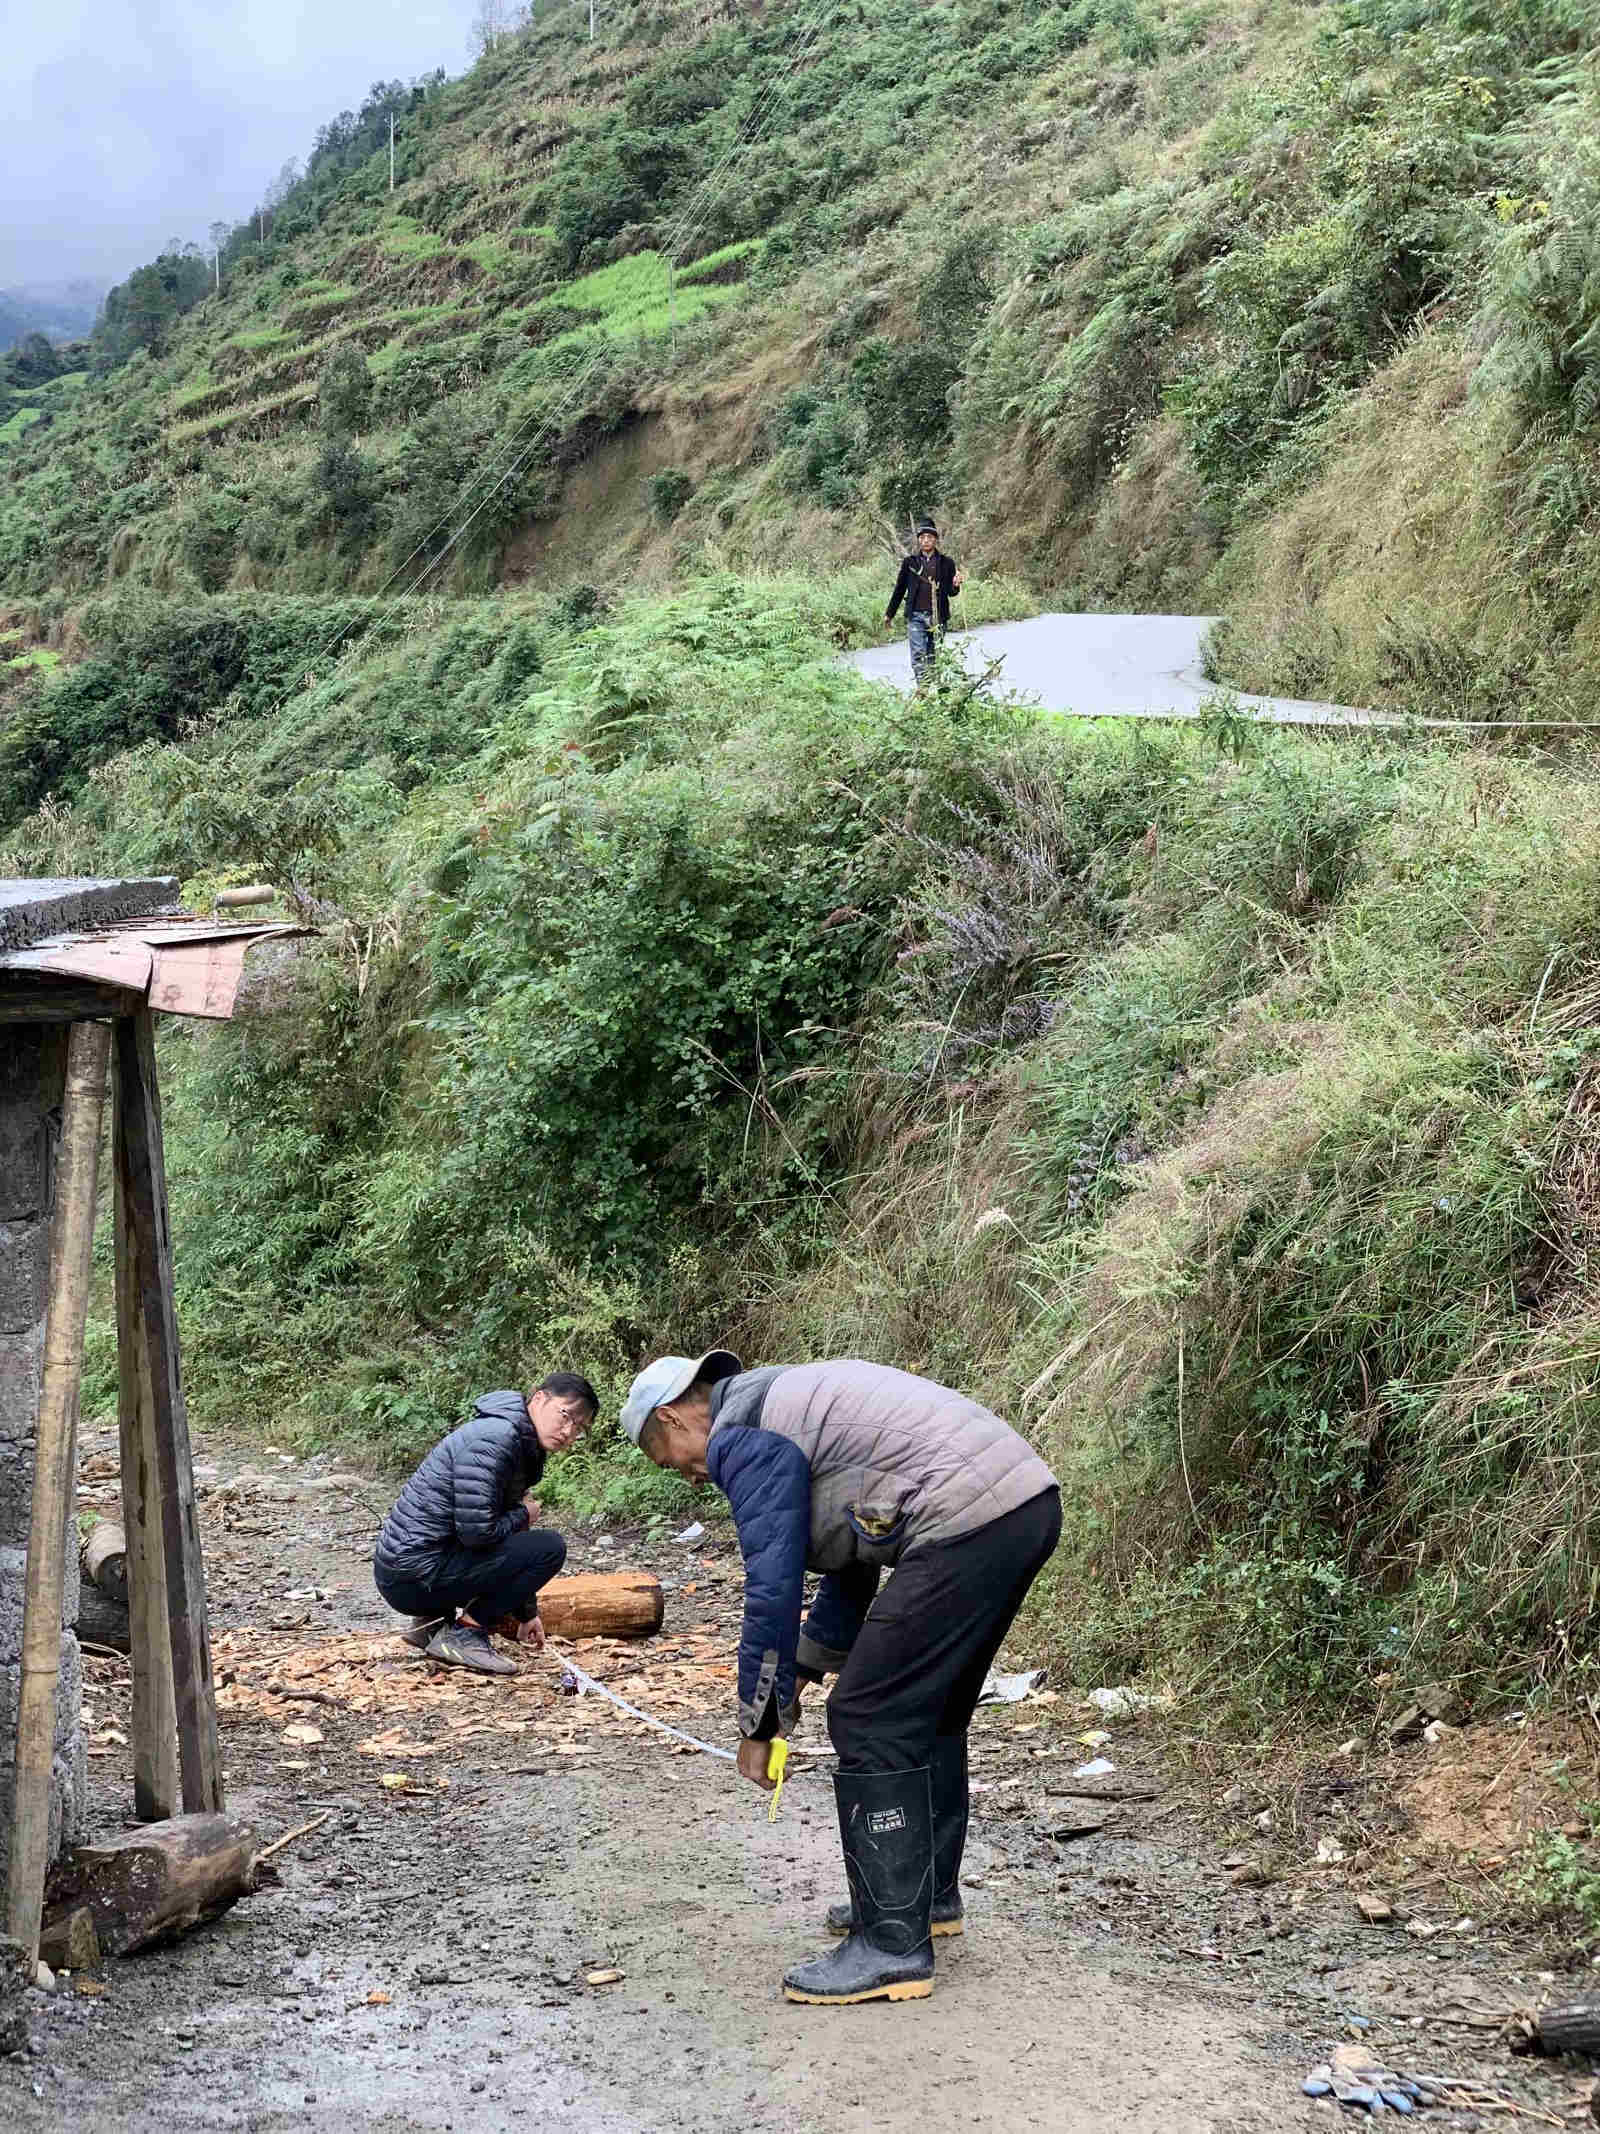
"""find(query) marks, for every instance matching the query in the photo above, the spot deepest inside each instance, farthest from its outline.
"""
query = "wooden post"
(54, 1466)
(141, 1156)
(155, 1721)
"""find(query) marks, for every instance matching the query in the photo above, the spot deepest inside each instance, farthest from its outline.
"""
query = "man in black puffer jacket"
(457, 1553)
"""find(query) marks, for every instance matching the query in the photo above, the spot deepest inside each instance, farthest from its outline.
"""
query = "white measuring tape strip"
(588, 1682)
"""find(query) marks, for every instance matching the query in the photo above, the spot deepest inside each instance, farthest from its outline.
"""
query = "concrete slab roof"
(29, 910)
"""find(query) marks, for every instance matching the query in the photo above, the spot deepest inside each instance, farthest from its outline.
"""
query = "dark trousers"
(916, 1669)
(485, 1583)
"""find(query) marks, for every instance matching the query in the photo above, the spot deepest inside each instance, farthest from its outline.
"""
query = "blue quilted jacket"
(467, 1494)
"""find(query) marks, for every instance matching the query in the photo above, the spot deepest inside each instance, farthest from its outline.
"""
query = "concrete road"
(1107, 667)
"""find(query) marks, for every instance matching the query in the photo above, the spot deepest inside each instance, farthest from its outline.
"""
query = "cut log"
(610, 1604)
(1573, 2027)
(104, 1557)
(103, 1620)
(152, 1883)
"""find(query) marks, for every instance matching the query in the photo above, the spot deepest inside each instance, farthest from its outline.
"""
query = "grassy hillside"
(1287, 309)
(1216, 1102)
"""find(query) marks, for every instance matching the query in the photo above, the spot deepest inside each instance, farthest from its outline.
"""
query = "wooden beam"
(141, 1159)
(155, 1715)
(54, 1468)
(62, 1001)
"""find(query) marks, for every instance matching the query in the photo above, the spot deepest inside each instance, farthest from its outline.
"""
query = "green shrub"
(668, 491)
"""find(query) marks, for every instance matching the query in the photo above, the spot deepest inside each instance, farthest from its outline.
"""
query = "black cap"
(927, 526)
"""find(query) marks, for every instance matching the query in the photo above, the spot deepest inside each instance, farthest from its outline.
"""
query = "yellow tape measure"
(777, 1764)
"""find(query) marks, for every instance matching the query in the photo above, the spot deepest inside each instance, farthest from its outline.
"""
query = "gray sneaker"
(463, 1645)
(422, 1629)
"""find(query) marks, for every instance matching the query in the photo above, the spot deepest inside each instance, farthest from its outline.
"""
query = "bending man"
(852, 1469)
(458, 1553)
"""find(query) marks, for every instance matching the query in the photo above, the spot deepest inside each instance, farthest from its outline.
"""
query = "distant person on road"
(927, 579)
(853, 1469)
(459, 1552)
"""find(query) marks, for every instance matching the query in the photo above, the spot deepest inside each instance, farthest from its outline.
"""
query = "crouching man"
(853, 1469)
(458, 1552)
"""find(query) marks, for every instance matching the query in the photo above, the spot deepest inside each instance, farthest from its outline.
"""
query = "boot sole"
(939, 1927)
(909, 1989)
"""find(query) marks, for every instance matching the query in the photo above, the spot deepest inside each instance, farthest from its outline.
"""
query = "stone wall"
(33, 1062)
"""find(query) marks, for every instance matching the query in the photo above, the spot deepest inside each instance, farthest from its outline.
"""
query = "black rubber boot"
(886, 1828)
(947, 1776)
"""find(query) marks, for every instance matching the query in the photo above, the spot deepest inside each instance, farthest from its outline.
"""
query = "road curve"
(1108, 667)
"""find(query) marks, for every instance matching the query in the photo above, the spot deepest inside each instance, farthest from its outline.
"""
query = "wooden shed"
(85, 966)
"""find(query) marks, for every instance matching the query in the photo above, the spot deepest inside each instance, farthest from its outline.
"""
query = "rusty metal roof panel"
(181, 966)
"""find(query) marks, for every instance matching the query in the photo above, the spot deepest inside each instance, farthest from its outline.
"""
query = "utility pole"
(261, 224)
(591, 21)
(216, 268)
(391, 151)
(672, 303)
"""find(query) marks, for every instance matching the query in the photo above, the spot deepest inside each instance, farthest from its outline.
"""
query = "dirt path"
(422, 1962)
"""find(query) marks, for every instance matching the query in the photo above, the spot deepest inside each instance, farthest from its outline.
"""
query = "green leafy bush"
(668, 491)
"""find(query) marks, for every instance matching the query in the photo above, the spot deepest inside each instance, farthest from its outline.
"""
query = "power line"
(692, 220)
(688, 228)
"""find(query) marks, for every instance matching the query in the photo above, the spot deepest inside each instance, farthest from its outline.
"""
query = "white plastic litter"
(1096, 1767)
(1010, 1689)
(691, 1533)
(1120, 1703)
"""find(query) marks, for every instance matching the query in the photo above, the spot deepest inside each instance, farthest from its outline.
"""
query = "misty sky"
(126, 122)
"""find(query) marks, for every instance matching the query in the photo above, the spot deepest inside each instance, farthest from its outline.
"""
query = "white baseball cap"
(665, 1379)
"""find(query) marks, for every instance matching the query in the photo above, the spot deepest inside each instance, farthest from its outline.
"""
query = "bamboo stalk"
(54, 1462)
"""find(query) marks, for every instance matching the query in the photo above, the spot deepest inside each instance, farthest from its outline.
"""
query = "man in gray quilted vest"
(853, 1469)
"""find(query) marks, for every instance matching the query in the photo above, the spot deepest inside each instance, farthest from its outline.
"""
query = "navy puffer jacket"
(467, 1494)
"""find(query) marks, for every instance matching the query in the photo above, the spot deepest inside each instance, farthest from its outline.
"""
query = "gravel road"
(421, 1966)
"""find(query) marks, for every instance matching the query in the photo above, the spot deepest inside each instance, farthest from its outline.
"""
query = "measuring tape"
(777, 1750)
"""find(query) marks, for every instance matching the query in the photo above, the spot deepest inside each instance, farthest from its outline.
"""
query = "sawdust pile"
(303, 1686)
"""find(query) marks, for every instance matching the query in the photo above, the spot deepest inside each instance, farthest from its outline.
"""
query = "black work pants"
(486, 1583)
(917, 1667)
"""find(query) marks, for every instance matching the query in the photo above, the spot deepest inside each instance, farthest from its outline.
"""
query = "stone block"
(16, 1492)
(69, 1803)
(13, 1570)
(21, 1360)
(24, 1273)
(69, 1701)
(24, 1173)
(13, 1562)
(16, 1976)
(69, 1768)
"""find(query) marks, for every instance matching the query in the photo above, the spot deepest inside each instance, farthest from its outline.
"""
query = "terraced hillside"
(1285, 307)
